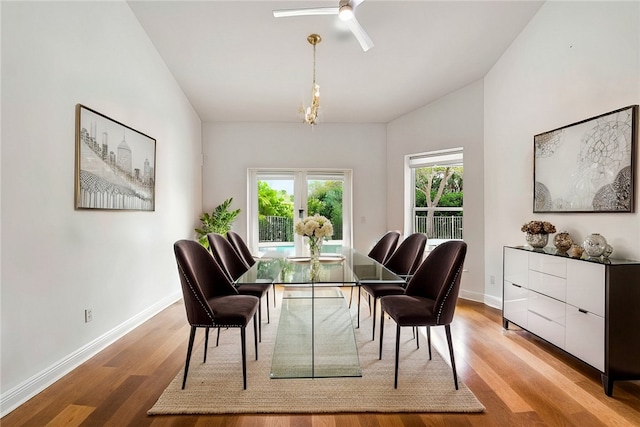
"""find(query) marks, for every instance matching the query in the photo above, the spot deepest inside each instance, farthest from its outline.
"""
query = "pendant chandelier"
(311, 112)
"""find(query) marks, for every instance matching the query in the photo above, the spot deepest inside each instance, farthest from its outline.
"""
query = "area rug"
(215, 387)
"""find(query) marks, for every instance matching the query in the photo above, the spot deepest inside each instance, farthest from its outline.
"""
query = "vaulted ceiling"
(236, 62)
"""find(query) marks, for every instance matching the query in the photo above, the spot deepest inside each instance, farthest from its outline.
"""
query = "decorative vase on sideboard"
(594, 245)
(562, 241)
(537, 240)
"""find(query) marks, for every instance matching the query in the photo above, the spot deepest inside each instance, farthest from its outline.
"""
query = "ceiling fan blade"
(282, 13)
(360, 34)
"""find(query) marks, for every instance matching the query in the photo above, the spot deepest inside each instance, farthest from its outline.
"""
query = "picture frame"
(115, 164)
(588, 166)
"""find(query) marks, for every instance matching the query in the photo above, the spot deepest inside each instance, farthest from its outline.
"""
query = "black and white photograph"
(115, 164)
(587, 166)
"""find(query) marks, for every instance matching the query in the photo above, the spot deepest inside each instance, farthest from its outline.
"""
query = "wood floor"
(521, 380)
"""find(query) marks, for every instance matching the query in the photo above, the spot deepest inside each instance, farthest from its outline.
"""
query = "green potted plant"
(219, 221)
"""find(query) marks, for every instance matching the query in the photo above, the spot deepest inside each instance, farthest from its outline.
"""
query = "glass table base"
(314, 347)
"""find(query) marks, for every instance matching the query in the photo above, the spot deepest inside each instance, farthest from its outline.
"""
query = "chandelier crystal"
(311, 112)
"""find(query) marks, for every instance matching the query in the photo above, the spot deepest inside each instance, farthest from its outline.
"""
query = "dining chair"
(429, 299)
(381, 252)
(244, 252)
(211, 300)
(403, 262)
(383, 249)
(241, 248)
(235, 267)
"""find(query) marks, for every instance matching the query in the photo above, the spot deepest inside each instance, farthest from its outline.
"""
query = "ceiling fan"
(346, 12)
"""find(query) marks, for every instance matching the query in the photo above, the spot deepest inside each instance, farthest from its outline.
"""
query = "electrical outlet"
(88, 315)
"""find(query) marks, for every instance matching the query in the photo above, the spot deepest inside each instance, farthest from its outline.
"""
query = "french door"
(278, 198)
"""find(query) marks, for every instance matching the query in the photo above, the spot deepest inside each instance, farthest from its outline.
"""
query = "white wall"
(574, 60)
(452, 121)
(57, 261)
(231, 148)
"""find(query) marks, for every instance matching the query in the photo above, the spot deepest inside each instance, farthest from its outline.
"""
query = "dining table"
(316, 336)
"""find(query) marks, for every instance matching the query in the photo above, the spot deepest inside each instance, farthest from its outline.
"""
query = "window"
(434, 183)
(278, 198)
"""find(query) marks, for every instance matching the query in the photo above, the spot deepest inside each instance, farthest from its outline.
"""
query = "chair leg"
(267, 304)
(395, 381)
(415, 330)
(244, 357)
(350, 296)
(260, 320)
(381, 331)
(255, 332)
(192, 335)
(429, 340)
(447, 329)
(218, 337)
(373, 326)
(206, 344)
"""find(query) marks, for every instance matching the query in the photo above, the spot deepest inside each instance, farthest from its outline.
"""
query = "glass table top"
(347, 267)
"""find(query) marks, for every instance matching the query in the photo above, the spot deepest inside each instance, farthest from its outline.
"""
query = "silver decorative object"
(537, 240)
(594, 245)
(607, 251)
(562, 241)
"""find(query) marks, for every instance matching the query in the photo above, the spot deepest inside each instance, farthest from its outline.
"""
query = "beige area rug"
(216, 387)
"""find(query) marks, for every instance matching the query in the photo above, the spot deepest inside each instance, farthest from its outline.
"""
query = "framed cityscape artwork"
(115, 164)
(587, 166)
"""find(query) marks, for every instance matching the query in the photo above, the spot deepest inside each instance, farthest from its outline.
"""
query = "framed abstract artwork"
(115, 164)
(588, 166)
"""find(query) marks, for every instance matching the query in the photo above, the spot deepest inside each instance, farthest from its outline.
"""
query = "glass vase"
(594, 245)
(562, 242)
(537, 240)
(315, 247)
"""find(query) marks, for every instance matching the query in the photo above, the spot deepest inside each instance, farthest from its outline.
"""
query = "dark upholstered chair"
(235, 267)
(429, 299)
(383, 249)
(244, 252)
(381, 252)
(211, 301)
(403, 262)
(241, 248)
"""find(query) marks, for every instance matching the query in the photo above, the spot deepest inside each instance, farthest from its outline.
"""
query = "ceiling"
(236, 62)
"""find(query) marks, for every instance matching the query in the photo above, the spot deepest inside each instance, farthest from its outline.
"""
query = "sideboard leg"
(505, 323)
(607, 384)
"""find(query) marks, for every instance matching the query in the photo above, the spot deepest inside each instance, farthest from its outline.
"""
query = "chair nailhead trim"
(447, 294)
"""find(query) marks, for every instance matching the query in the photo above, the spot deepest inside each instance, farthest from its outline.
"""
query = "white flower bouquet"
(314, 227)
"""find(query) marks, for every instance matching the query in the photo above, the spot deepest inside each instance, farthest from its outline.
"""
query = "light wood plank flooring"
(520, 379)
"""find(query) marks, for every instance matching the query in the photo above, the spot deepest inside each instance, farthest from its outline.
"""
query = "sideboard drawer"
(547, 307)
(555, 266)
(516, 267)
(585, 337)
(585, 286)
(553, 286)
(546, 328)
(515, 304)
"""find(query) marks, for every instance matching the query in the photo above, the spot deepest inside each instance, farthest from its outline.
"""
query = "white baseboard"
(11, 399)
(490, 300)
(493, 301)
(473, 296)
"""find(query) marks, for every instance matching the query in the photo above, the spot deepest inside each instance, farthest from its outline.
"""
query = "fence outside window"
(280, 229)
(445, 224)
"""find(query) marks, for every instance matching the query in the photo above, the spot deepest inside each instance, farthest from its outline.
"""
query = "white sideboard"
(590, 308)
